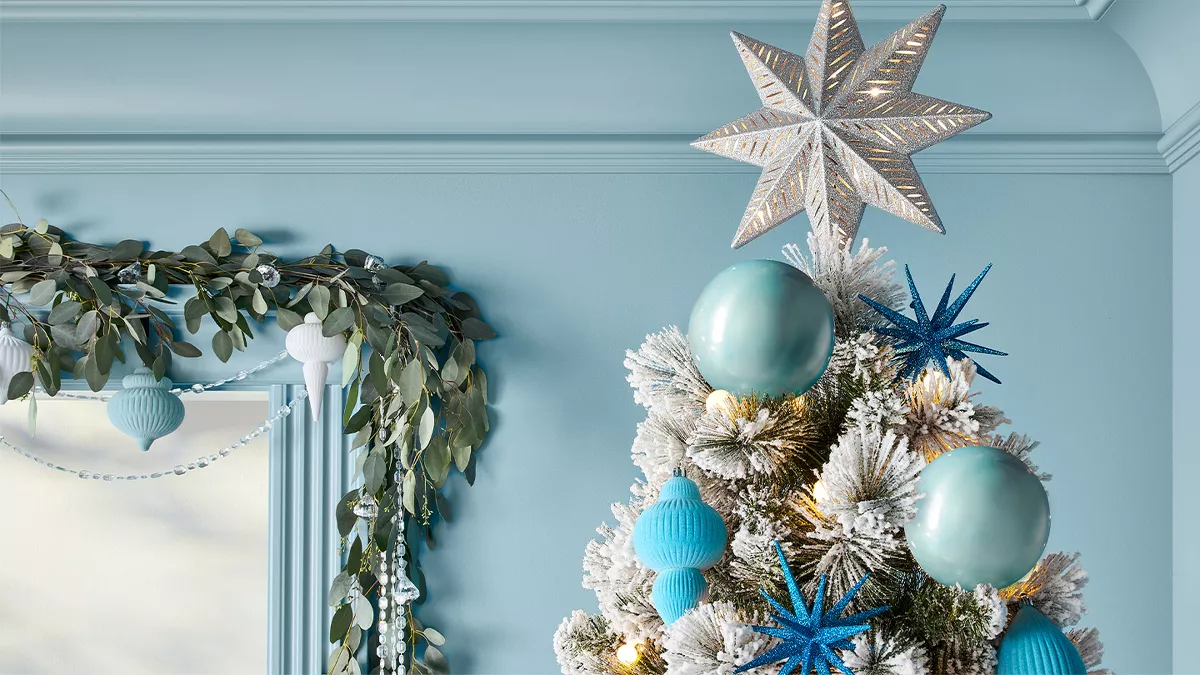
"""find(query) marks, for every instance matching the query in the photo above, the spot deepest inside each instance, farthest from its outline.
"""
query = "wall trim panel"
(530, 10)
(1181, 141)
(528, 154)
(310, 471)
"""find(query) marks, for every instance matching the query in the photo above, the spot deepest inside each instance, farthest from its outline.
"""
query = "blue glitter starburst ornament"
(811, 636)
(933, 338)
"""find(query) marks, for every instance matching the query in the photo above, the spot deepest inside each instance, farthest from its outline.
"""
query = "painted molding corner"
(310, 471)
(1096, 8)
(530, 10)
(528, 154)
(1180, 143)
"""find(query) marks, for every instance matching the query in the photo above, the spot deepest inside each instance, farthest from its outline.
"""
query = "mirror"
(153, 576)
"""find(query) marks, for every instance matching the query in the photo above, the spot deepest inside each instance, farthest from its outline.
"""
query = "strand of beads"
(396, 593)
(179, 469)
(197, 388)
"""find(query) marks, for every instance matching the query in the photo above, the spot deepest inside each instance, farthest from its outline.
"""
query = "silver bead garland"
(179, 469)
(197, 388)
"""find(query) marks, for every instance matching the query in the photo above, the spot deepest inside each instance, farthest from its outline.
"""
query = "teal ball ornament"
(983, 518)
(761, 326)
(1033, 645)
(679, 537)
(145, 408)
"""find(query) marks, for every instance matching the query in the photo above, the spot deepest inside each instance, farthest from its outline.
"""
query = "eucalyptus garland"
(416, 399)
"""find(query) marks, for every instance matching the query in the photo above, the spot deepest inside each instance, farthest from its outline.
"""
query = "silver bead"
(197, 388)
(202, 462)
(179, 470)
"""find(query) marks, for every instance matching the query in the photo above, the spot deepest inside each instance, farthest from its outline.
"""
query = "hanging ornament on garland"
(145, 409)
(983, 518)
(810, 637)
(1033, 645)
(761, 326)
(310, 346)
(837, 127)
(933, 339)
(15, 357)
(679, 537)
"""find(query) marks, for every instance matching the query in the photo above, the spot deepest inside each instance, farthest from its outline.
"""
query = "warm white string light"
(178, 469)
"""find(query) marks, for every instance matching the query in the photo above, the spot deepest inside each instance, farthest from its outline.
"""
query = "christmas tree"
(809, 439)
(832, 475)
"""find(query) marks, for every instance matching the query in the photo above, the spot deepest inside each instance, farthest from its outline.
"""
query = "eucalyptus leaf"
(87, 326)
(197, 254)
(399, 294)
(287, 319)
(350, 362)
(246, 238)
(42, 292)
(127, 249)
(340, 623)
(258, 303)
(42, 226)
(339, 588)
(374, 471)
(433, 637)
(477, 330)
(340, 319)
(219, 283)
(226, 309)
(101, 290)
(412, 381)
(436, 661)
(20, 384)
(410, 492)
(364, 616)
(222, 345)
(219, 243)
(425, 430)
(344, 513)
(185, 349)
(318, 299)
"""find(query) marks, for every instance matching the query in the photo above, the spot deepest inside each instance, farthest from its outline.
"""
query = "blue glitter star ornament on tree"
(811, 636)
(933, 338)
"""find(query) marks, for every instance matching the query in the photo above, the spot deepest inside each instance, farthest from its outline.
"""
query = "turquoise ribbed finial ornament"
(761, 326)
(1033, 645)
(679, 537)
(145, 409)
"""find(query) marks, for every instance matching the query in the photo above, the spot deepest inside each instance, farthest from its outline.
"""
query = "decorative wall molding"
(1181, 141)
(531, 10)
(528, 154)
(1096, 8)
(310, 471)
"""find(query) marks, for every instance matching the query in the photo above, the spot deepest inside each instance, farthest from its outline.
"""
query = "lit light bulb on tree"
(719, 401)
(819, 492)
(627, 654)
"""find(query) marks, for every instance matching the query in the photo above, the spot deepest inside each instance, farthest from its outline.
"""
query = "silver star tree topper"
(837, 127)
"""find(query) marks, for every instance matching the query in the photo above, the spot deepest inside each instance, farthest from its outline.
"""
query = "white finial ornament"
(309, 346)
(15, 357)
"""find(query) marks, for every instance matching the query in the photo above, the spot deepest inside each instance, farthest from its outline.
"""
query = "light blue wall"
(572, 269)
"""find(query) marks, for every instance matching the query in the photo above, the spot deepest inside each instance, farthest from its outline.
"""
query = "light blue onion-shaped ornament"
(679, 537)
(761, 326)
(1033, 645)
(145, 409)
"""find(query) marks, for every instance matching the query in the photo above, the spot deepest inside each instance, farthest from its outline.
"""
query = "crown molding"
(1180, 143)
(1095, 8)
(527, 154)
(529, 10)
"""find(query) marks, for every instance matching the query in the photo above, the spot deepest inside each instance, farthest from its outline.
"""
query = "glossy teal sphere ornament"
(1033, 645)
(983, 518)
(761, 326)
(679, 537)
(145, 408)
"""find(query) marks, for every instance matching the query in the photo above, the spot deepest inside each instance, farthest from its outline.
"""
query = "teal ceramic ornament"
(679, 537)
(761, 326)
(983, 518)
(1033, 645)
(145, 409)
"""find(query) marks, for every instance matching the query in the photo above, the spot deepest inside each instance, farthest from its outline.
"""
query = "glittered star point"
(838, 126)
(810, 637)
(925, 339)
